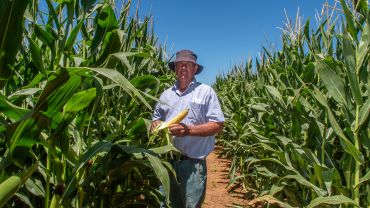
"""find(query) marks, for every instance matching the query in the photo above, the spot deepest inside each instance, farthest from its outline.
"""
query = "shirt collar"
(177, 90)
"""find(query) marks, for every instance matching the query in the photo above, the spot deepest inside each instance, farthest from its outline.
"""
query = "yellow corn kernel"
(175, 120)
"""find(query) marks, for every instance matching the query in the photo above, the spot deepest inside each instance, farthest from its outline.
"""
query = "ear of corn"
(8, 188)
(175, 120)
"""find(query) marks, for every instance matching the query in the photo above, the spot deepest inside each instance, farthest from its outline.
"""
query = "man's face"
(185, 71)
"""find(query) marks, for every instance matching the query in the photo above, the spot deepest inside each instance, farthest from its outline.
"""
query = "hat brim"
(172, 65)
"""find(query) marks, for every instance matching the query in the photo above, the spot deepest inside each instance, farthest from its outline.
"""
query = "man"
(194, 137)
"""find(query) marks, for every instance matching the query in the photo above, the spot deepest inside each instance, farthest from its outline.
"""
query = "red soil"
(217, 195)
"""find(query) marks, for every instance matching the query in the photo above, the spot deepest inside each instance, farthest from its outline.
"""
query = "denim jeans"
(189, 190)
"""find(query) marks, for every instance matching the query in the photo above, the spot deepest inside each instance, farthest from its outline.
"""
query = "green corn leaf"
(122, 170)
(328, 179)
(35, 187)
(106, 18)
(80, 100)
(270, 200)
(53, 15)
(24, 92)
(55, 95)
(136, 152)
(11, 22)
(306, 154)
(346, 144)
(56, 80)
(10, 110)
(138, 128)
(337, 199)
(307, 30)
(24, 134)
(25, 199)
(309, 72)
(118, 78)
(304, 182)
(364, 113)
(122, 56)
(258, 107)
(349, 60)
(362, 7)
(235, 179)
(59, 90)
(266, 172)
(332, 81)
(135, 160)
(274, 92)
(59, 96)
(105, 22)
(160, 172)
(252, 160)
(36, 56)
(88, 4)
(324, 37)
(112, 43)
(347, 165)
(46, 37)
(276, 188)
(363, 46)
(54, 201)
(163, 149)
(146, 83)
(102, 146)
(306, 104)
(72, 37)
(349, 19)
(35, 81)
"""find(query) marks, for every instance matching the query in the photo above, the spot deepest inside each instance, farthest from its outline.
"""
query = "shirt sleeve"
(158, 113)
(214, 112)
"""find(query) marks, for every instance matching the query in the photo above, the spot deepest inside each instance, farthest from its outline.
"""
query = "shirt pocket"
(197, 113)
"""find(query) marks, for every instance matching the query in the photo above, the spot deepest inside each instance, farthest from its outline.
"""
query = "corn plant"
(297, 128)
(78, 80)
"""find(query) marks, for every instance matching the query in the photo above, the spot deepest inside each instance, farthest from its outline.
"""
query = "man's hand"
(207, 129)
(179, 130)
(154, 125)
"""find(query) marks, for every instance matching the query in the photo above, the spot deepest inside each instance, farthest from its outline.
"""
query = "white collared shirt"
(203, 105)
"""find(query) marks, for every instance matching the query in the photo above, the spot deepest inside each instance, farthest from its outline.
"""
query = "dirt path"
(217, 195)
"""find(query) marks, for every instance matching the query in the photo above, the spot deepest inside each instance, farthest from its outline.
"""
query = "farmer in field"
(195, 135)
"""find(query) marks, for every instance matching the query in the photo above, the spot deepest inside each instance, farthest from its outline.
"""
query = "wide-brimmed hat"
(186, 55)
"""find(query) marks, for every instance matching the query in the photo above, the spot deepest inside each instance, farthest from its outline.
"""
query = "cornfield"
(297, 127)
(78, 81)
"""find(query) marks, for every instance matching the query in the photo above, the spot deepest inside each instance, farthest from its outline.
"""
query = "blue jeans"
(189, 190)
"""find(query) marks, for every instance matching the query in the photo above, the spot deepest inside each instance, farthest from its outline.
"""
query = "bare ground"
(217, 195)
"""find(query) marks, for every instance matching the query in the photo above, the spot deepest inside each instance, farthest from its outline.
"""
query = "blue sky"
(223, 33)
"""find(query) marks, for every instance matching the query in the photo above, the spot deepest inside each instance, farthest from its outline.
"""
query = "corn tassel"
(175, 120)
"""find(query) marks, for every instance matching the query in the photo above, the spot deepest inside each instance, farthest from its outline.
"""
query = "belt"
(184, 157)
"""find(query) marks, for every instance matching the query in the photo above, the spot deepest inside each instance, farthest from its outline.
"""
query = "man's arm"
(206, 129)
